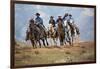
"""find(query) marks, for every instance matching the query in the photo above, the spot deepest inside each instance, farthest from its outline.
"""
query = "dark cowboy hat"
(37, 14)
(59, 16)
(51, 16)
(70, 15)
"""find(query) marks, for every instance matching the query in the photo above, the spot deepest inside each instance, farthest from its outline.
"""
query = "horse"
(52, 34)
(30, 37)
(37, 33)
(70, 30)
(77, 34)
(43, 34)
(61, 32)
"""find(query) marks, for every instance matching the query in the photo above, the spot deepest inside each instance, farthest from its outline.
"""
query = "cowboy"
(52, 21)
(39, 21)
(70, 20)
(52, 26)
(59, 19)
(65, 19)
(65, 16)
(60, 22)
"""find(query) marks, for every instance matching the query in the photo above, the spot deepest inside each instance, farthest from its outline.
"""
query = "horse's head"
(60, 24)
(29, 35)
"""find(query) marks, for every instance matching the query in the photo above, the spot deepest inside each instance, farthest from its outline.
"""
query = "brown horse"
(61, 32)
(37, 33)
(30, 37)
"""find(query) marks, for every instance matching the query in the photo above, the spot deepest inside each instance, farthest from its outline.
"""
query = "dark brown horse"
(37, 33)
(61, 32)
(30, 37)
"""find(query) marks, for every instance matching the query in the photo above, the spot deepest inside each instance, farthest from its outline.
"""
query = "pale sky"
(83, 17)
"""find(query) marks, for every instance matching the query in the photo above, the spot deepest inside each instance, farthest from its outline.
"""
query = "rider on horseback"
(72, 24)
(65, 20)
(59, 19)
(52, 26)
(70, 20)
(68, 26)
(39, 21)
(66, 16)
(52, 21)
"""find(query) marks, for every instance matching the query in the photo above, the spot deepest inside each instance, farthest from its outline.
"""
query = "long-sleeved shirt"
(52, 22)
(39, 20)
(59, 19)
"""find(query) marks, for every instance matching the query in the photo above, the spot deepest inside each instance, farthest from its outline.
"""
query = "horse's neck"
(51, 28)
(65, 23)
(60, 25)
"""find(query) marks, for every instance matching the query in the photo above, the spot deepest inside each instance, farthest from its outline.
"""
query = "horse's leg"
(61, 40)
(46, 41)
(69, 38)
(33, 44)
(72, 40)
(43, 42)
(50, 39)
(39, 43)
(72, 35)
(78, 40)
(54, 41)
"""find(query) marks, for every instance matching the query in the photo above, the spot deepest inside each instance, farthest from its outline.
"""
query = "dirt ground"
(26, 55)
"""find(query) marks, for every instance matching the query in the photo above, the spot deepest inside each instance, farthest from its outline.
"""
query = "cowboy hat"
(59, 16)
(51, 16)
(37, 14)
(70, 15)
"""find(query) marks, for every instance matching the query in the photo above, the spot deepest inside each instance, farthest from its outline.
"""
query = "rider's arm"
(38, 20)
(63, 18)
(41, 20)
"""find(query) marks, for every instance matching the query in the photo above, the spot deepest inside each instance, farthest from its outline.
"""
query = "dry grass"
(26, 55)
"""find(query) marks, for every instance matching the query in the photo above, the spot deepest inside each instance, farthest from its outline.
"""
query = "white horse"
(71, 32)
